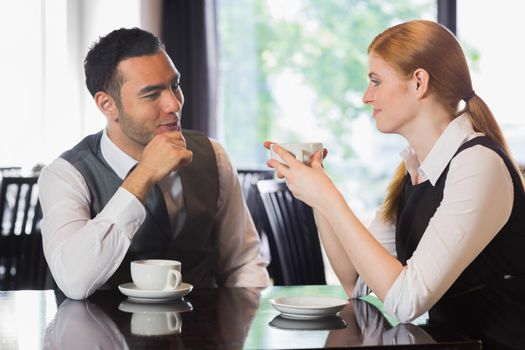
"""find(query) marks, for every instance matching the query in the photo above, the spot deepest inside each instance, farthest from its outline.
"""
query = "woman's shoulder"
(479, 154)
(481, 168)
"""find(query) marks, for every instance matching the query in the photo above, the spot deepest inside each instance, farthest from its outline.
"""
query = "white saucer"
(325, 323)
(154, 296)
(308, 307)
(176, 305)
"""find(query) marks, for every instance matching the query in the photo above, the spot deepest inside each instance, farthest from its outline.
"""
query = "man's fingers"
(186, 159)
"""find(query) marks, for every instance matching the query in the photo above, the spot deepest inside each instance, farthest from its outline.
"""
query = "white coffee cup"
(155, 274)
(302, 151)
(156, 323)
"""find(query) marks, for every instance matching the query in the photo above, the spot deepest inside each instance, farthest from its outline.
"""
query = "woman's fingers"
(268, 144)
(286, 156)
(281, 170)
(317, 159)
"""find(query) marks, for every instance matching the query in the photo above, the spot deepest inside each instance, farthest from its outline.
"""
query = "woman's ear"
(106, 104)
(421, 80)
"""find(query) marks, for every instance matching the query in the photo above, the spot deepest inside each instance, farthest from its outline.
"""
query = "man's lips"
(175, 126)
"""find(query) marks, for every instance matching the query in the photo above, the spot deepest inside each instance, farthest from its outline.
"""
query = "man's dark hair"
(100, 65)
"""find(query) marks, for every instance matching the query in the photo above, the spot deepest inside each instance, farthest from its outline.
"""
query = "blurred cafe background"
(252, 70)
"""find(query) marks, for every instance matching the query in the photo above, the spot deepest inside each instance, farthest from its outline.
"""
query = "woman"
(450, 235)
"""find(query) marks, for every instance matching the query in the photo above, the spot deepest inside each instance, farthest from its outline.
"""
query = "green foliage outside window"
(323, 45)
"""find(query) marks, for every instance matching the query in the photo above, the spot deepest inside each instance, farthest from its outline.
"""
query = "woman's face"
(391, 97)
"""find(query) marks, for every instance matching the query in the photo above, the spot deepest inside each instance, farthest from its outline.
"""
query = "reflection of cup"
(156, 274)
(156, 323)
(156, 319)
(302, 151)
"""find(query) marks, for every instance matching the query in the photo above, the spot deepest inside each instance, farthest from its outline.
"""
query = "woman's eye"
(375, 82)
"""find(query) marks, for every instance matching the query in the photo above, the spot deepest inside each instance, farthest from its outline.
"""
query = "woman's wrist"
(329, 199)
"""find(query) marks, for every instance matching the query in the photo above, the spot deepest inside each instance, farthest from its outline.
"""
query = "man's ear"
(421, 80)
(106, 104)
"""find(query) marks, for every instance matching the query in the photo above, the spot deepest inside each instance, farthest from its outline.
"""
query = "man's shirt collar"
(117, 159)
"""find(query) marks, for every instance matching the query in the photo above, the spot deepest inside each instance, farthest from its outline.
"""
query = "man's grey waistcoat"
(194, 245)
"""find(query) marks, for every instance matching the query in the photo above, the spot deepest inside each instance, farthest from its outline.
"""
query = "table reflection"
(325, 323)
(208, 318)
(367, 326)
(155, 319)
(221, 318)
(82, 325)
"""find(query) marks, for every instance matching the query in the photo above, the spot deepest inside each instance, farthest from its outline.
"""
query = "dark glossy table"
(221, 318)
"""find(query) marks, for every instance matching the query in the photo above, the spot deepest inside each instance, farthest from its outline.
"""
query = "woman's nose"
(368, 96)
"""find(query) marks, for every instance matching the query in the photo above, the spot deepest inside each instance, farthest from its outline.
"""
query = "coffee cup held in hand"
(302, 151)
(155, 274)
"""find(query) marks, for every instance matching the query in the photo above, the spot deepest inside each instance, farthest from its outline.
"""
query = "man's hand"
(165, 153)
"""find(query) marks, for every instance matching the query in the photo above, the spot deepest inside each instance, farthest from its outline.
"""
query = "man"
(140, 188)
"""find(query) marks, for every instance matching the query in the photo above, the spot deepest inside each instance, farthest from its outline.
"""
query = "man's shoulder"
(78, 152)
(58, 171)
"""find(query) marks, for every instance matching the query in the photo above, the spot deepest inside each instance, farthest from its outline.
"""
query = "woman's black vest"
(488, 298)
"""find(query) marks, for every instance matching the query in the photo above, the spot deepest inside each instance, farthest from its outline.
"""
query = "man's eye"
(175, 86)
(152, 96)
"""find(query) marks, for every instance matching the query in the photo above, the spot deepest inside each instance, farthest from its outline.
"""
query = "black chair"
(248, 179)
(6, 171)
(22, 262)
(292, 236)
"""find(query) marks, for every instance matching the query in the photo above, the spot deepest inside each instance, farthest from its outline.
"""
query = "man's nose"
(172, 102)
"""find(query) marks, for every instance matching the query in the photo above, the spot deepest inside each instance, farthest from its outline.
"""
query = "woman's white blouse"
(477, 202)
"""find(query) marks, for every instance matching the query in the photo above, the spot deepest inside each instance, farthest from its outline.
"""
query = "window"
(296, 71)
(45, 105)
(497, 64)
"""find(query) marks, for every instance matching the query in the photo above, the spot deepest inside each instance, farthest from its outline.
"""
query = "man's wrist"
(138, 183)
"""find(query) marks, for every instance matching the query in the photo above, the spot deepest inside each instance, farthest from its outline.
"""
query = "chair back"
(292, 235)
(19, 212)
(248, 179)
(22, 262)
(10, 171)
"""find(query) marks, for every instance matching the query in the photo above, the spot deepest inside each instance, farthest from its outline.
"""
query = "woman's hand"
(309, 183)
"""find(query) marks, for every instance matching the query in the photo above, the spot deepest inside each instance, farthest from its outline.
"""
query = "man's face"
(151, 100)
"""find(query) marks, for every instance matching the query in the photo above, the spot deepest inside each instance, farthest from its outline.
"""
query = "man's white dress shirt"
(477, 202)
(83, 253)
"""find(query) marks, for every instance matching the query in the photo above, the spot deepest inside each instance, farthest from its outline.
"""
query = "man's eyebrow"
(151, 88)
